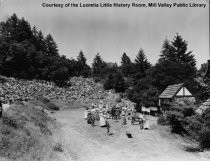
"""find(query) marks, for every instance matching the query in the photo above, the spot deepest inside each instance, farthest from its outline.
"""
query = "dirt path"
(86, 143)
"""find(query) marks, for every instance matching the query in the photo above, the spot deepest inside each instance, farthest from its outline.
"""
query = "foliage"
(203, 69)
(184, 120)
(144, 93)
(205, 138)
(175, 65)
(188, 111)
(58, 147)
(127, 66)
(99, 67)
(176, 120)
(26, 53)
(115, 81)
(82, 67)
(141, 64)
(162, 120)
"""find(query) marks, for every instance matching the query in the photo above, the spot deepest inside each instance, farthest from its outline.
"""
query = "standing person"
(117, 113)
(108, 126)
(1, 109)
(123, 115)
(102, 121)
(86, 113)
(113, 112)
(141, 121)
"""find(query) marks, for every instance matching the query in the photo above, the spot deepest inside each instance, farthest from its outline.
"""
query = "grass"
(25, 133)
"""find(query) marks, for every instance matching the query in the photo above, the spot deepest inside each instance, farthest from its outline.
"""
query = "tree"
(51, 46)
(126, 65)
(144, 93)
(119, 83)
(38, 40)
(109, 81)
(81, 58)
(141, 64)
(175, 64)
(27, 53)
(8, 29)
(167, 53)
(203, 69)
(180, 49)
(82, 68)
(99, 66)
(24, 31)
(115, 81)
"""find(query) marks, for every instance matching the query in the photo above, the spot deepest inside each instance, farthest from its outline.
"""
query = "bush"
(206, 115)
(188, 111)
(162, 120)
(204, 138)
(52, 106)
(176, 119)
(58, 147)
(194, 125)
(49, 104)
(45, 100)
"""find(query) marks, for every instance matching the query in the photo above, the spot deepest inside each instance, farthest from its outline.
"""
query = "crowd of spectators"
(79, 88)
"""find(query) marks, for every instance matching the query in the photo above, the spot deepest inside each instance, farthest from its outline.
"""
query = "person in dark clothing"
(113, 112)
(108, 127)
(1, 109)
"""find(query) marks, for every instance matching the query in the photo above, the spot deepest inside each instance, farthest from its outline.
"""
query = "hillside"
(26, 133)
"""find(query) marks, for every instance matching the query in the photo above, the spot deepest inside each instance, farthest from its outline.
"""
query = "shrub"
(204, 138)
(162, 120)
(188, 111)
(175, 120)
(194, 125)
(58, 147)
(49, 104)
(206, 115)
(52, 106)
(45, 100)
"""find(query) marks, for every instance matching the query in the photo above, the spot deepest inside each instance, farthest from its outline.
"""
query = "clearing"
(85, 143)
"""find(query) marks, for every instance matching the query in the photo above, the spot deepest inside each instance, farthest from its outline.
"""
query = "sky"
(111, 31)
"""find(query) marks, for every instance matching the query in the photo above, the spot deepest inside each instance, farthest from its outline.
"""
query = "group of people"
(105, 111)
(78, 88)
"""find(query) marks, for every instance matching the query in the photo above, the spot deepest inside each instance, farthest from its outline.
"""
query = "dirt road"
(85, 143)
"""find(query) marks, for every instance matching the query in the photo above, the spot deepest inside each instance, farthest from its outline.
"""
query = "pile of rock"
(87, 88)
(80, 89)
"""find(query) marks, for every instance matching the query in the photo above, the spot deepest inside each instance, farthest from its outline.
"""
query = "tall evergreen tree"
(167, 53)
(51, 46)
(24, 32)
(38, 40)
(141, 64)
(141, 61)
(126, 65)
(180, 49)
(175, 65)
(8, 30)
(81, 58)
(82, 67)
(99, 66)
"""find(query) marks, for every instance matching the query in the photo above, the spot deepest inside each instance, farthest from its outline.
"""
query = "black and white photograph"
(104, 80)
